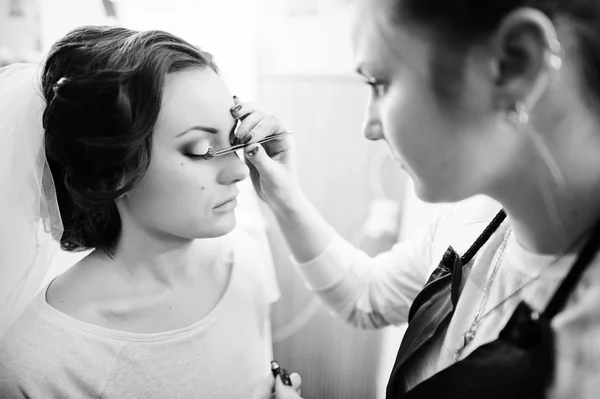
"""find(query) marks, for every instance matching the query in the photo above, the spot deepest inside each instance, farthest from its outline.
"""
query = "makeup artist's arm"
(368, 292)
(303, 227)
(371, 292)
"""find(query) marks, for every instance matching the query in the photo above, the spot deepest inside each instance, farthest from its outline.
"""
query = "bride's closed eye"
(199, 151)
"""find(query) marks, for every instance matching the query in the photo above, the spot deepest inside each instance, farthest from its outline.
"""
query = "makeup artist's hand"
(272, 164)
(271, 388)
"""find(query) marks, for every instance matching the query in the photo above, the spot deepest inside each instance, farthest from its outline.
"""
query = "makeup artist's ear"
(524, 50)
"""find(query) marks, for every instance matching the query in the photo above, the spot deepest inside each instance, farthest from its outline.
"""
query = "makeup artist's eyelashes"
(378, 88)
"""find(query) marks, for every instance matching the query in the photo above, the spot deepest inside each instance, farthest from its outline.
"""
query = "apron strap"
(585, 258)
(484, 237)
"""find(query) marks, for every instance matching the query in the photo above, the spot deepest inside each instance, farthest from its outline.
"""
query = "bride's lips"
(228, 204)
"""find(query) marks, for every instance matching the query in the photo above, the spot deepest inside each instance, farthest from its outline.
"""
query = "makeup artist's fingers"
(262, 164)
(267, 126)
(246, 127)
(270, 157)
(241, 109)
(257, 126)
(255, 123)
(283, 391)
(264, 389)
(281, 150)
(296, 381)
(273, 177)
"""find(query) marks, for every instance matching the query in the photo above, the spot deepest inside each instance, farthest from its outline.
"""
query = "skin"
(159, 266)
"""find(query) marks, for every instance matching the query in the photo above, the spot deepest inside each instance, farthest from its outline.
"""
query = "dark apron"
(518, 364)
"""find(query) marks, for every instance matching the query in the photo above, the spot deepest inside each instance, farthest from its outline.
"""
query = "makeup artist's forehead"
(382, 46)
(370, 23)
(194, 97)
(365, 13)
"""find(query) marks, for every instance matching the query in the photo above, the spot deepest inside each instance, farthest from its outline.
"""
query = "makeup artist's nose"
(233, 170)
(373, 130)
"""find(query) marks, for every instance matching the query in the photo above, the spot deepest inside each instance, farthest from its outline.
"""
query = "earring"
(555, 58)
(519, 115)
(555, 62)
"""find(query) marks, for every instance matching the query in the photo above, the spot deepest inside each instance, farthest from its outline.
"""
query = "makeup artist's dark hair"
(103, 90)
(466, 21)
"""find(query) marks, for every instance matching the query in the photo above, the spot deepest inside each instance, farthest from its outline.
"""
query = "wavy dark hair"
(463, 22)
(103, 89)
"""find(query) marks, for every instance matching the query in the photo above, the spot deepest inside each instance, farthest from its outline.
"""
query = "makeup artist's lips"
(228, 205)
(399, 162)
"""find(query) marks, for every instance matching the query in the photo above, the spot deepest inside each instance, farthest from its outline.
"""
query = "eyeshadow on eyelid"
(202, 147)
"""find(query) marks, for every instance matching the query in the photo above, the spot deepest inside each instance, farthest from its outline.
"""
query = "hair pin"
(61, 82)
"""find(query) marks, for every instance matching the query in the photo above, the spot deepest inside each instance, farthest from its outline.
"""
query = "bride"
(126, 121)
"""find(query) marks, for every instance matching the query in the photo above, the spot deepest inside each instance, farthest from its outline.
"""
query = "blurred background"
(293, 57)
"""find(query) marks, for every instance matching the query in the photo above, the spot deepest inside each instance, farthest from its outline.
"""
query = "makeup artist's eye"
(378, 88)
(200, 151)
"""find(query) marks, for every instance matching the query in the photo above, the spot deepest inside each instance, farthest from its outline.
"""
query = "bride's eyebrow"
(207, 129)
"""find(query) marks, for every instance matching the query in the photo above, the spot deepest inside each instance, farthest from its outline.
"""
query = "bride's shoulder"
(77, 291)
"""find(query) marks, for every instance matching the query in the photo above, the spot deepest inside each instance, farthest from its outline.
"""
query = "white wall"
(295, 43)
(225, 28)
(58, 17)
(24, 45)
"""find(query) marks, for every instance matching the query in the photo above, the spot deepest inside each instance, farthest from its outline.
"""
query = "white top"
(375, 292)
(47, 354)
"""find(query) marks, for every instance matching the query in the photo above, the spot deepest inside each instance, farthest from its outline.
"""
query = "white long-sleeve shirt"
(376, 292)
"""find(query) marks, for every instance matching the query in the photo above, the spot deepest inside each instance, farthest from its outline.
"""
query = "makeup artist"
(492, 106)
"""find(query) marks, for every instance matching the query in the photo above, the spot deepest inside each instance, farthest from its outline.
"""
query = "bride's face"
(183, 194)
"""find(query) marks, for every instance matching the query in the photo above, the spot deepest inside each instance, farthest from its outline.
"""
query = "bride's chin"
(222, 227)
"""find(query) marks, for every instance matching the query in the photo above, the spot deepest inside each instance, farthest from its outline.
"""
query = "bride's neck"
(167, 260)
